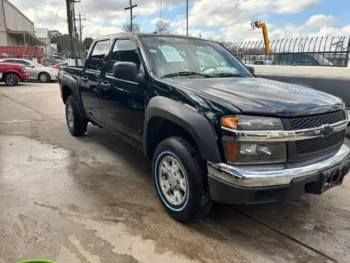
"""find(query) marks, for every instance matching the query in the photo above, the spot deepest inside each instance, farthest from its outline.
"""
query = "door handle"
(105, 85)
(85, 79)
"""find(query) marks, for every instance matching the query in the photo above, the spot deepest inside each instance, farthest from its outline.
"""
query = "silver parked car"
(35, 70)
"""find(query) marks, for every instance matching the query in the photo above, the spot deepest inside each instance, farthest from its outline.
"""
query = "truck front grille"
(312, 148)
(320, 143)
(316, 121)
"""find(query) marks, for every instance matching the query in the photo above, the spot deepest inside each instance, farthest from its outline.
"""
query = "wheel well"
(160, 129)
(66, 92)
(11, 73)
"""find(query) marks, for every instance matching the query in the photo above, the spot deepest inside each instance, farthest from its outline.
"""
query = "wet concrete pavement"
(91, 199)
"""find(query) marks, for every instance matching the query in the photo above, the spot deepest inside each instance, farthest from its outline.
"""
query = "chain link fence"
(308, 51)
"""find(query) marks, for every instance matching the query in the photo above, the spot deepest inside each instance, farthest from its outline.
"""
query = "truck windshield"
(170, 56)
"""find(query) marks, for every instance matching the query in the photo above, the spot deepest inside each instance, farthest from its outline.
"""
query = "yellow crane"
(258, 24)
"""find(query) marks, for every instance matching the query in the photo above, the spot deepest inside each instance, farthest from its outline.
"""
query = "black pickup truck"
(213, 130)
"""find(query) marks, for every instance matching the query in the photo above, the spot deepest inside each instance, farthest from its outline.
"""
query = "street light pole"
(186, 17)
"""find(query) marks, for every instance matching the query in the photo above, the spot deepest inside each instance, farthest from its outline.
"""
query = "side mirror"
(127, 71)
(251, 69)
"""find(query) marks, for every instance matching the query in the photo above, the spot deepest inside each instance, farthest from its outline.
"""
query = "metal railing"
(306, 51)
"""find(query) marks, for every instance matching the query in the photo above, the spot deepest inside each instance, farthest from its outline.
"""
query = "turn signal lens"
(251, 123)
(230, 122)
(232, 150)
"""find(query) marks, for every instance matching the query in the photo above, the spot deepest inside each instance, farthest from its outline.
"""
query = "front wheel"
(44, 77)
(11, 79)
(180, 179)
(76, 124)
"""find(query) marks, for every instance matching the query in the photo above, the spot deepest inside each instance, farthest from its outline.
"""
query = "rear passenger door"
(90, 80)
(122, 101)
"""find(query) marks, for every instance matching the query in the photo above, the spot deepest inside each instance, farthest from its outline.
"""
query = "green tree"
(87, 42)
(54, 38)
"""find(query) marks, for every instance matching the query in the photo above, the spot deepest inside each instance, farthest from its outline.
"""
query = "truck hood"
(263, 96)
(10, 65)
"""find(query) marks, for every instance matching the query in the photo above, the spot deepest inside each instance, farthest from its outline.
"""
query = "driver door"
(122, 101)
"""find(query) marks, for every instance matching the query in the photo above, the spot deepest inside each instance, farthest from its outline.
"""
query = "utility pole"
(131, 16)
(81, 31)
(70, 24)
(71, 27)
(186, 17)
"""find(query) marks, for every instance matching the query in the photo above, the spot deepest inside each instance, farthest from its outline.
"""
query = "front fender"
(193, 122)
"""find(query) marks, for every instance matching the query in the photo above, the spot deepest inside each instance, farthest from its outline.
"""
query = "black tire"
(44, 77)
(198, 202)
(77, 126)
(11, 79)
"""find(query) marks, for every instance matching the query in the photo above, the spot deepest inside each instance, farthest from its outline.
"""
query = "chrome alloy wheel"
(70, 116)
(172, 180)
(43, 77)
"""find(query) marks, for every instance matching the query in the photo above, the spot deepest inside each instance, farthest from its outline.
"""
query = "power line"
(90, 3)
(131, 16)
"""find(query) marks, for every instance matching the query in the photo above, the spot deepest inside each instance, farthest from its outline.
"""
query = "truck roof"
(136, 35)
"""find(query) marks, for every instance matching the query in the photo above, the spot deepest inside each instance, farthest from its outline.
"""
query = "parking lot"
(91, 199)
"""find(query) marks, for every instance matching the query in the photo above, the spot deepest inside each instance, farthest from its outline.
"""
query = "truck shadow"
(301, 229)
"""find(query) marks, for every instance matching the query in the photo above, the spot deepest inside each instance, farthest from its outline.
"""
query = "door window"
(124, 50)
(97, 55)
(13, 61)
(23, 62)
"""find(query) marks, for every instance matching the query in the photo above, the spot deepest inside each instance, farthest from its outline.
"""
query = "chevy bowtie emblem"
(326, 130)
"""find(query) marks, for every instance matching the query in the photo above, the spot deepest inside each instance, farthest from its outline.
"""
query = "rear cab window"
(97, 56)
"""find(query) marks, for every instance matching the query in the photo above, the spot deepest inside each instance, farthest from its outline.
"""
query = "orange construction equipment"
(258, 24)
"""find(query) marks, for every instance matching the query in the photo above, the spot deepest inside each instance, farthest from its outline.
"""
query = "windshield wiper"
(186, 73)
(229, 75)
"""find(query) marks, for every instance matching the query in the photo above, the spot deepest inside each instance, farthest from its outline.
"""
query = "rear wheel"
(11, 79)
(180, 179)
(44, 77)
(76, 124)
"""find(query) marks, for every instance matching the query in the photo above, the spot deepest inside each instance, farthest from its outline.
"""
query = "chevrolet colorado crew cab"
(214, 131)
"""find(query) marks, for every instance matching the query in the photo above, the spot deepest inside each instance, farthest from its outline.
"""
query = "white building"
(43, 35)
(15, 28)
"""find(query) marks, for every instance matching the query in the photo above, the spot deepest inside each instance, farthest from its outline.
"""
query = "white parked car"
(35, 70)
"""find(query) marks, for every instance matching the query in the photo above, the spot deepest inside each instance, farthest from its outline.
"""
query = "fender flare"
(70, 82)
(193, 122)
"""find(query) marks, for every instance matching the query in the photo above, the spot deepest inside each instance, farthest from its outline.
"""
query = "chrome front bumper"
(260, 176)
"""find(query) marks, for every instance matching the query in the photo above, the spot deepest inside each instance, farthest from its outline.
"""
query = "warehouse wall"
(16, 20)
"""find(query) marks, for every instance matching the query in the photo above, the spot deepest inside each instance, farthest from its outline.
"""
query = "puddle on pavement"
(80, 205)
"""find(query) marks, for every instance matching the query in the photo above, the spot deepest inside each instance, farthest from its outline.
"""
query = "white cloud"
(102, 16)
(204, 12)
(197, 33)
(231, 16)
(156, 20)
(319, 21)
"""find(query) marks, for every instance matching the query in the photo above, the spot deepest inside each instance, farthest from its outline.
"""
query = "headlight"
(251, 123)
(23, 69)
(240, 152)
(254, 153)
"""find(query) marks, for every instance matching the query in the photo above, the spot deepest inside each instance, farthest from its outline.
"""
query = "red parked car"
(59, 65)
(12, 73)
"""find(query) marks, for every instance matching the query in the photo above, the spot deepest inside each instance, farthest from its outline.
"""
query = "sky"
(216, 19)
